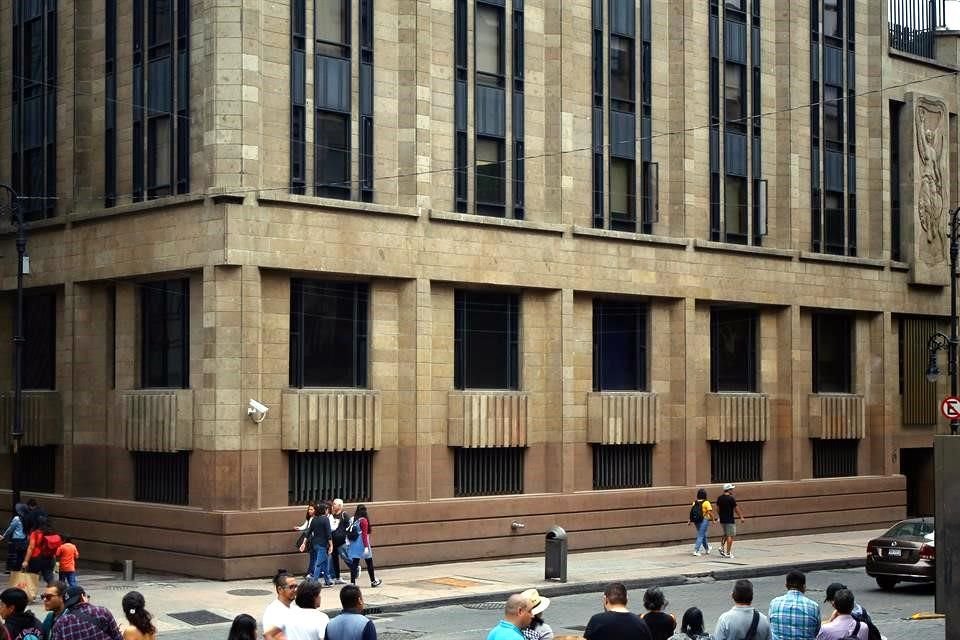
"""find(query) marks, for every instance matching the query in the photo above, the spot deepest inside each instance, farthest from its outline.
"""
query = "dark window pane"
(833, 227)
(735, 208)
(834, 458)
(160, 21)
(833, 18)
(490, 171)
(332, 21)
(333, 154)
(486, 331)
(328, 334)
(159, 158)
(832, 114)
(622, 195)
(161, 477)
(619, 346)
(832, 353)
(734, 94)
(622, 74)
(489, 40)
(40, 346)
(733, 349)
(164, 311)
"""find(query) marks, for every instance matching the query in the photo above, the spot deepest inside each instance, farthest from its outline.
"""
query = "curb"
(691, 577)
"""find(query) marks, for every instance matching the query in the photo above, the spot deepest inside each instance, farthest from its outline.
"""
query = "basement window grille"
(161, 477)
(834, 458)
(736, 461)
(622, 466)
(316, 476)
(38, 468)
(488, 472)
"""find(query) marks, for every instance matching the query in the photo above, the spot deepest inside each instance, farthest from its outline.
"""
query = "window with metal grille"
(834, 458)
(622, 466)
(918, 397)
(736, 461)
(734, 336)
(487, 472)
(161, 477)
(328, 334)
(832, 353)
(40, 341)
(486, 340)
(38, 468)
(164, 347)
(316, 476)
(619, 346)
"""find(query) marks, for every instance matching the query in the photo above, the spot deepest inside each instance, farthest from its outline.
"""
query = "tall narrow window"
(622, 179)
(734, 337)
(486, 340)
(832, 353)
(366, 100)
(735, 123)
(40, 341)
(328, 334)
(498, 85)
(896, 108)
(332, 87)
(298, 96)
(164, 334)
(619, 346)
(110, 103)
(833, 169)
(34, 84)
(161, 94)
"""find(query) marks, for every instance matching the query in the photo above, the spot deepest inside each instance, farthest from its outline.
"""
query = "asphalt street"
(569, 614)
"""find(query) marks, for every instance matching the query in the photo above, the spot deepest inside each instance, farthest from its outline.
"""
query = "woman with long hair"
(701, 513)
(244, 627)
(691, 626)
(141, 622)
(302, 543)
(361, 546)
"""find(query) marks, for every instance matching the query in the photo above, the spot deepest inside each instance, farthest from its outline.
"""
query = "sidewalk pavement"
(404, 588)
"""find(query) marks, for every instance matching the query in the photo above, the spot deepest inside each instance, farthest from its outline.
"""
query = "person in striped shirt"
(794, 616)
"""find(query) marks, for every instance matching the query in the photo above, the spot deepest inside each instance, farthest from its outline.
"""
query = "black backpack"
(853, 634)
(354, 531)
(696, 512)
(872, 632)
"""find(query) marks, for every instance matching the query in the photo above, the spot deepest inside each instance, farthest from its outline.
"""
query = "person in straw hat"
(538, 629)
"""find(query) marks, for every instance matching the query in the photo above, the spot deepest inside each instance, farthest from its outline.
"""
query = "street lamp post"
(16, 430)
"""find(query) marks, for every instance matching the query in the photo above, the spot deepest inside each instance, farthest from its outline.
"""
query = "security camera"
(257, 411)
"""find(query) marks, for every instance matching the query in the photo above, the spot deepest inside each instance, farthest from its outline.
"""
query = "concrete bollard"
(128, 571)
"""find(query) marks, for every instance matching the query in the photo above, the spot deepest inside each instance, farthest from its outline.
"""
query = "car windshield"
(915, 529)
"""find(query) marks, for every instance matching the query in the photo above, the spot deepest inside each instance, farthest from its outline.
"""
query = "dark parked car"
(905, 553)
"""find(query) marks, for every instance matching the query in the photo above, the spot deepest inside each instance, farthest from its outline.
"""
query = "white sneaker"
(696, 553)
(707, 550)
(730, 555)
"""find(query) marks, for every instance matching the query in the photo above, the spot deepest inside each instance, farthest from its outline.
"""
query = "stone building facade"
(485, 262)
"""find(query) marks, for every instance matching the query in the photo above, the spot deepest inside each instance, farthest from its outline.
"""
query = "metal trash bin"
(555, 555)
(128, 571)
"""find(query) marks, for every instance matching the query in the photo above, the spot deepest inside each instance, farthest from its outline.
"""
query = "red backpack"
(49, 543)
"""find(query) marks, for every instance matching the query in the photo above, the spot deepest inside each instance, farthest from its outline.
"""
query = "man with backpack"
(42, 546)
(339, 523)
(858, 613)
(842, 625)
(701, 513)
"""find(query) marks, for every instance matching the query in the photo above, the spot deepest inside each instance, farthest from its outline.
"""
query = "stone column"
(425, 394)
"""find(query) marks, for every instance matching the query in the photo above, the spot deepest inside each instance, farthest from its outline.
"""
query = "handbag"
(29, 582)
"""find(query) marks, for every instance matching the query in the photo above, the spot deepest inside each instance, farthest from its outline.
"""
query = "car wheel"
(886, 583)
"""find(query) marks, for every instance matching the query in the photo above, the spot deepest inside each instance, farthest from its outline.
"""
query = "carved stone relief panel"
(925, 188)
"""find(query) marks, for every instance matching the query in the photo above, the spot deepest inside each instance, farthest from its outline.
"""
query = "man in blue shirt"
(517, 616)
(793, 616)
(351, 624)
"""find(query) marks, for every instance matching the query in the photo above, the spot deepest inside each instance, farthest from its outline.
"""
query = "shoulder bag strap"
(752, 631)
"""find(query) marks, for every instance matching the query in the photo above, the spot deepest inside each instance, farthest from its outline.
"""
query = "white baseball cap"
(728, 487)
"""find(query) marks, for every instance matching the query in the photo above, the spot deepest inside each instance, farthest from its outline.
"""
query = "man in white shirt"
(276, 614)
(305, 621)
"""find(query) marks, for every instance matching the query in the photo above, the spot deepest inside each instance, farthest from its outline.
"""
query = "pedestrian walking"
(361, 546)
(302, 540)
(728, 508)
(318, 538)
(339, 523)
(517, 615)
(54, 604)
(660, 623)
(67, 554)
(842, 625)
(794, 616)
(42, 545)
(616, 621)
(537, 629)
(244, 627)
(140, 621)
(35, 516)
(743, 621)
(691, 626)
(275, 615)
(305, 621)
(701, 513)
(351, 624)
(16, 536)
(82, 620)
(19, 623)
